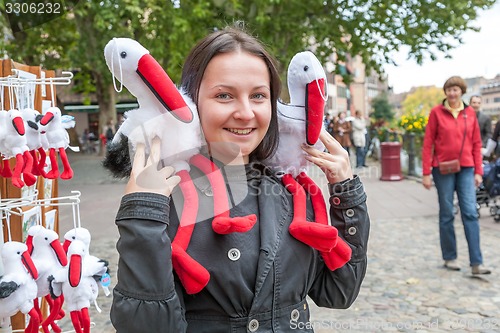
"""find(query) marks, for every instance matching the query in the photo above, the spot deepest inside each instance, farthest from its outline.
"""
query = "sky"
(479, 55)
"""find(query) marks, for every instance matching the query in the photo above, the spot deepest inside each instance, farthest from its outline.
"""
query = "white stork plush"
(301, 122)
(14, 144)
(48, 256)
(35, 140)
(17, 286)
(55, 127)
(77, 283)
(170, 115)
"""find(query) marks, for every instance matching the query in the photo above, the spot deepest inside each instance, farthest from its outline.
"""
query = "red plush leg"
(16, 175)
(68, 172)
(76, 321)
(318, 236)
(85, 320)
(54, 310)
(61, 313)
(193, 276)
(34, 321)
(222, 222)
(34, 168)
(54, 167)
(6, 172)
(36, 306)
(28, 177)
(41, 162)
(341, 253)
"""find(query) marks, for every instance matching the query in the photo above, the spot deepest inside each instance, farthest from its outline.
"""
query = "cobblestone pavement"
(406, 289)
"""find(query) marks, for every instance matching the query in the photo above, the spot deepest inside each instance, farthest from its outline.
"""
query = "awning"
(94, 108)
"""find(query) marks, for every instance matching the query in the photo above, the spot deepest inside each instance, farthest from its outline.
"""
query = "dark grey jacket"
(261, 289)
(484, 122)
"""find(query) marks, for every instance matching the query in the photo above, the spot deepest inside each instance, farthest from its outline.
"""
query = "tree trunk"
(106, 98)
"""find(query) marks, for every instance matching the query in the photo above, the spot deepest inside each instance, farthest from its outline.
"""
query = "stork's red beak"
(30, 266)
(47, 118)
(66, 245)
(18, 124)
(163, 88)
(75, 270)
(61, 255)
(29, 244)
(315, 108)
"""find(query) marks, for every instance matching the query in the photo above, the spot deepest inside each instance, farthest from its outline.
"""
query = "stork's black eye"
(46, 238)
(18, 252)
(306, 68)
(123, 54)
(73, 237)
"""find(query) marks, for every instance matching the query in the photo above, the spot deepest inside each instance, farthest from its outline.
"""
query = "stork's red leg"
(16, 175)
(50, 320)
(76, 321)
(319, 236)
(341, 253)
(34, 168)
(193, 276)
(68, 172)
(6, 172)
(28, 177)
(36, 306)
(85, 320)
(61, 313)
(54, 167)
(41, 162)
(34, 321)
(222, 222)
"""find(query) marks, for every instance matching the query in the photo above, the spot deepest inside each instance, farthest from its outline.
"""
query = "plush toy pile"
(42, 268)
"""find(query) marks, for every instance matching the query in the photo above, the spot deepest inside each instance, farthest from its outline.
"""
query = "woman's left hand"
(478, 179)
(335, 164)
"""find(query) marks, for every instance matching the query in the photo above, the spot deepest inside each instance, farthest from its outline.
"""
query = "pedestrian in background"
(342, 131)
(452, 133)
(483, 119)
(359, 138)
(235, 85)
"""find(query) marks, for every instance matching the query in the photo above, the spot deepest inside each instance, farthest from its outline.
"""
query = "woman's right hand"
(145, 176)
(427, 182)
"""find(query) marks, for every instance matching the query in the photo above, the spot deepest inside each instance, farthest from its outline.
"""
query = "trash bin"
(391, 161)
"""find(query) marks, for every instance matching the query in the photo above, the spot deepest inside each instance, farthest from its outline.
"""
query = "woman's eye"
(223, 96)
(259, 96)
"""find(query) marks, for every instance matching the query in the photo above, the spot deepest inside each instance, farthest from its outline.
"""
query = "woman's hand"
(335, 164)
(145, 176)
(426, 181)
(478, 179)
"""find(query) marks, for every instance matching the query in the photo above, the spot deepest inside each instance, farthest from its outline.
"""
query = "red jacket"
(444, 133)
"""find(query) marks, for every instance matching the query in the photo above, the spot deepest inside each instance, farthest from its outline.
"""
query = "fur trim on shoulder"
(117, 159)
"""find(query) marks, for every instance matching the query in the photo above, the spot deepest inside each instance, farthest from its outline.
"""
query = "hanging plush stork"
(34, 139)
(77, 283)
(18, 288)
(13, 144)
(170, 115)
(55, 127)
(48, 256)
(301, 122)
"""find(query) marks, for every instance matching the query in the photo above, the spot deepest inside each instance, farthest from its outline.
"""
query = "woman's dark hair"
(455, 81)
(228, 40)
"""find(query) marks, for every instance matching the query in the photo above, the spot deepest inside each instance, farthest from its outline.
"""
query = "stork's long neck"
(297, 94)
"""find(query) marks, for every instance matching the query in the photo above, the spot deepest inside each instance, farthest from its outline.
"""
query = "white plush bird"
(13, 143)
(54, 126)
(18, 288)
(48, 256)
(34, 138)
(301, 122)
(161, 106)
(78, 285)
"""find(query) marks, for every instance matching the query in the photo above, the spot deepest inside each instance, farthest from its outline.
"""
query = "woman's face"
(234, 104)
(453, 94)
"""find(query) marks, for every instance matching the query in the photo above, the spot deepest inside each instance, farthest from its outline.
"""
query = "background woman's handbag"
(448, 167)
(453, 166)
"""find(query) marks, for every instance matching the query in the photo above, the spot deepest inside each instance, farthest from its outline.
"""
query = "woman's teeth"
(239, 131)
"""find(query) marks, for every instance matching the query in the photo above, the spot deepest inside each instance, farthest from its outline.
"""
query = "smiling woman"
(256, 278)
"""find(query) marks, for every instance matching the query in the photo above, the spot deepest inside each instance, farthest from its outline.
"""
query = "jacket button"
(349, 212)
(253, 325)
(352, 231)
(336, 201)
(295, 314)
(234, 254)
(208, 192)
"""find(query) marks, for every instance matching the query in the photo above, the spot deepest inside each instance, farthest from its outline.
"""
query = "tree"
(423, 99)
(382, 110)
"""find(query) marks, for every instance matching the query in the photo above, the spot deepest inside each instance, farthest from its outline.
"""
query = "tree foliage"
(423, 99)
(382, 109)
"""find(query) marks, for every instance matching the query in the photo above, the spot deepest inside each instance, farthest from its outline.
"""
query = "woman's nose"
(244, 111)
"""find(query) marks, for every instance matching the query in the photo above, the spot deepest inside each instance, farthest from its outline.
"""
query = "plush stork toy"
(301, 122)
(170, 115)
(48, 256)
(14, 144)
(77, 282)
(35, 140)
(55, 127)
(17, 286)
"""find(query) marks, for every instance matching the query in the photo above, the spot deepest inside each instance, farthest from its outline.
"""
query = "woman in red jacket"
(453, 133)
